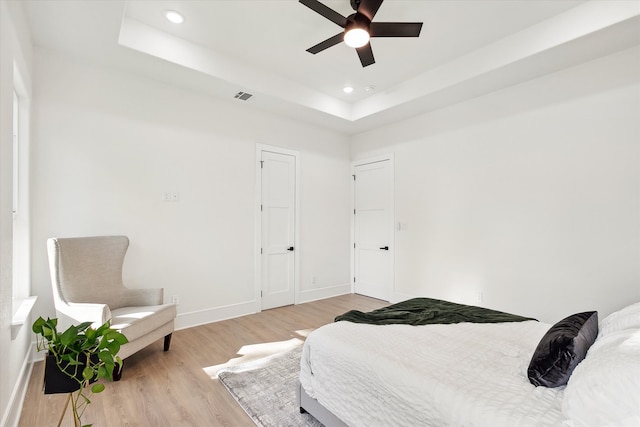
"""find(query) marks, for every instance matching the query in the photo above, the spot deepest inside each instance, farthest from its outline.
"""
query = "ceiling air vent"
(243, 96)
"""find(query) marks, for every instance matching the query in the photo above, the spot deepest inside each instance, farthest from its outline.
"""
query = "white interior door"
(373, 229)
(278, 229)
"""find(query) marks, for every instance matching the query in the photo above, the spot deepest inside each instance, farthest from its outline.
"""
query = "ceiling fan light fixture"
(173, 16)
(358, 28)
(356, 37)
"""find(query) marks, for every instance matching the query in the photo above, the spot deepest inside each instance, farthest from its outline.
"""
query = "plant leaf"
(69, 336)
(97, 388)
(106, 357)
(116, 336)
(114, 347)
(47, 332)
(91, 334)
(88, 373)
(37, 325)
(103, 372)
(102, 328)
(83, 326)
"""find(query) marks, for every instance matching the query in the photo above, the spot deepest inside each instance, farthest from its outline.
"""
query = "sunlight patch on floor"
(254, 355)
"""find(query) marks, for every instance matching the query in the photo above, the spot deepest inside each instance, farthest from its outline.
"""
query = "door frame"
(258, 223)
(392, 219)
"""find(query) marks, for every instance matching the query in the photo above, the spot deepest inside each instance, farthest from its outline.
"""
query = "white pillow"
(628, 317)
(604, 389)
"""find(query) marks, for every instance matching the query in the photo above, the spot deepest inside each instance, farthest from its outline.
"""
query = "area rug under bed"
(266, 390)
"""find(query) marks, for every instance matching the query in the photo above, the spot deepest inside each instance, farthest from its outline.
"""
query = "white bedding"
(434, 375)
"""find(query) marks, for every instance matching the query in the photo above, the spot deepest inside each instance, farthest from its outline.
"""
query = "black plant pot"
(56, 381)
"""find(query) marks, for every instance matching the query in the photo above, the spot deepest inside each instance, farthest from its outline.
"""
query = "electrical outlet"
(480, 297)
(175, 300)
(171, 196)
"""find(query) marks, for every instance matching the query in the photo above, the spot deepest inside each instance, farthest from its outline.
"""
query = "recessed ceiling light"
(174, 17)
(370, 88)
(347, 89)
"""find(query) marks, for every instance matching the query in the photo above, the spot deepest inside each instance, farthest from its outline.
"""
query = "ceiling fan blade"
(365, 53)
(395, 29)
(325, 11)
(331, 41)
(369, 8)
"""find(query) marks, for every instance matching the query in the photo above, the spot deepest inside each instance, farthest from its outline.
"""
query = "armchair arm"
(75, 313)
(141, 297)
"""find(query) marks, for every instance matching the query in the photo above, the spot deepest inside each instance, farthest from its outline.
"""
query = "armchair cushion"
(73, 313)
(135, 322)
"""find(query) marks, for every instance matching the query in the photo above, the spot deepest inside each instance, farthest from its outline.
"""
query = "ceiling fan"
(358, 27)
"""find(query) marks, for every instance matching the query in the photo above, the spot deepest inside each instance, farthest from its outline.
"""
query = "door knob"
(290, 248)
(384, 248)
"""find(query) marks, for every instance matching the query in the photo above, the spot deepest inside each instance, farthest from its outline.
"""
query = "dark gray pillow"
(562, 348)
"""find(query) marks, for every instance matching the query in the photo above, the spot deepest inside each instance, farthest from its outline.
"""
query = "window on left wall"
(16, 153)
(16, 176)
(22, 302)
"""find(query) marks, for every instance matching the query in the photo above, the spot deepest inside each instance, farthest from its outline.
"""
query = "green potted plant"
(77, 357)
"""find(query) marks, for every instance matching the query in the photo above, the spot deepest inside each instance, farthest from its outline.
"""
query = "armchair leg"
(167, 342)
(117, 372)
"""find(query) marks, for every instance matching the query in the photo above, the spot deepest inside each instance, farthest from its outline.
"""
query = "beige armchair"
(86, 276)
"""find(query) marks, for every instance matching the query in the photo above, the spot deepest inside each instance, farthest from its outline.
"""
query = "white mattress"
(435, 375)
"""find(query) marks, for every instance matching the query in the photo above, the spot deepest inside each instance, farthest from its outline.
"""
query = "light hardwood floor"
(176, 388)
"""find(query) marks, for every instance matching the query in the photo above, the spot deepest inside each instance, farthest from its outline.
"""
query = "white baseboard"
(322, 293)
(202, 317)
(11, 416)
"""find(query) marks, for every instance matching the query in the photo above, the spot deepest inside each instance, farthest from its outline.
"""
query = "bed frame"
(319, 412)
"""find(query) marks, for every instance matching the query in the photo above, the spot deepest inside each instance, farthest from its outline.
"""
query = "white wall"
(530, 195)
(108, 144)
(15, 55)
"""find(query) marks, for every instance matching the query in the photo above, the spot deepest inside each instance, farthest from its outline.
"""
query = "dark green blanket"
(427, 311)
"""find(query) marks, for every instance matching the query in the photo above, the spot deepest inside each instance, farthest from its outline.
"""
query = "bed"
(475, 374)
